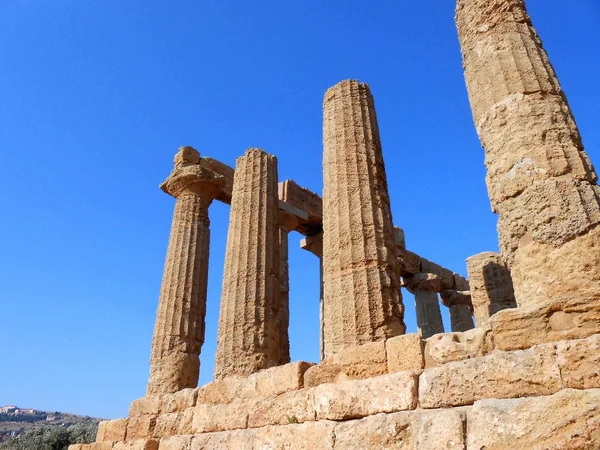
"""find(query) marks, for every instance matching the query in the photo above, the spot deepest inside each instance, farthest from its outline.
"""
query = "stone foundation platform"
(452, 391)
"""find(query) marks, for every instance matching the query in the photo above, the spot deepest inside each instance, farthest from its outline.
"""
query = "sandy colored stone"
(230, 416)
(227, 389)
(404, 430)
(99, 446)
(361, 287)
(112, 430)
(445, 276)
(425, 288)
(175, 443)
(138, 444)
(179, 329)
(363, 361)
(491, 286)
(149, 404)
(234, 440)
(448, 347)
(567, 420)
(523, 373)
(305, 436)
(579, 362)
(284, 409)
(178, 401)
(460, 308)
(78, 447)
(280, 379)
(172, 424)
(562, 319)
(140, 427)
(405, 352)
(540, 180)
(248, 336)
(326, 372)
(360, 398)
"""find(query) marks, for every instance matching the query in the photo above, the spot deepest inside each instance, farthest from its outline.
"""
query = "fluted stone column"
(314, 244)
(425, 288)
(491, 286)
(179, 330)
(248, 336)
(287, 223)
(460, 309)
(540, 180)
(361, 284)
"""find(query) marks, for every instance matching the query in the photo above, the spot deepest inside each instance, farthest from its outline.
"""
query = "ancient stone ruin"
(520, 368)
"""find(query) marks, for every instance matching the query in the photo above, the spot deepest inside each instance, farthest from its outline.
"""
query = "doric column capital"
(287, 221)
(313, 244)
(451, 297)
(189, 176)
(427, 282)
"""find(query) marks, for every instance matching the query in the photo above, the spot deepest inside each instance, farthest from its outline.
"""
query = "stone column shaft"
(491, 286)
(314, 244)
(361, 287)
(540, 180)
(248, 336)
(460, 307)
(287, 223)
(179, 330)
(425, 288)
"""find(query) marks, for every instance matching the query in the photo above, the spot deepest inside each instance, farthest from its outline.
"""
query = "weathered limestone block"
(238, 440)
(409, 262)
(460, 307)
(138, 444)
(500, 375)
(287, 223)
(405, 353)
(291, 407)
(173, 424)
(100, 446)
(361, 286)
(140, 427)
(560, 320)
(179, 401)
(567, 420)
(446, 277)
(325, 372)
(248, 336)
(227, 390)
(305, 436)
(112, 430)
(448, 347)
(579, 362)
(280, 379)
(175, 443)
(425, 287)
(356, 399)
(230, 416)
(149, 404)
(363, 361)
(540, 180)
(179, 329)
(491, 286)
(404, 430)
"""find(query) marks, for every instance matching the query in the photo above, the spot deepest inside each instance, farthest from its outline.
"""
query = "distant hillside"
(15, 421)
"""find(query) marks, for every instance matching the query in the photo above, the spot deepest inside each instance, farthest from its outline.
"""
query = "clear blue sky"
(97, 96)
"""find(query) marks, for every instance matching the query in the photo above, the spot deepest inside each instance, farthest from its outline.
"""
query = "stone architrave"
(460, 308)
(491, 286)
(179, 329)
(425, 288)
(287, 223)
(314, 244)
(361, 284)
(540, 180)
(248, 335)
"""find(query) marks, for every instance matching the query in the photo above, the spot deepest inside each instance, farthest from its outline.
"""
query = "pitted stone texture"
(363, 361)
(248, 336)
(291, 407)
(567, 420)
(149, 404)
(500, 375)
(112, 430)
(179, 329)
(356, 399)
(138, 444)
(140, 427)
(174, 424)
(175, 443)
(491, 286)
(179, 401)
(460, 307)
(227, 390)
(405, 353)
(361, 288)
(556, 321)
(326, 372)
(448, 347)
(579, 362)
(230, 416)
(539, 178)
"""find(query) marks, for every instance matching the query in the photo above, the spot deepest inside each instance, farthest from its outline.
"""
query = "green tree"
(52, 438)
